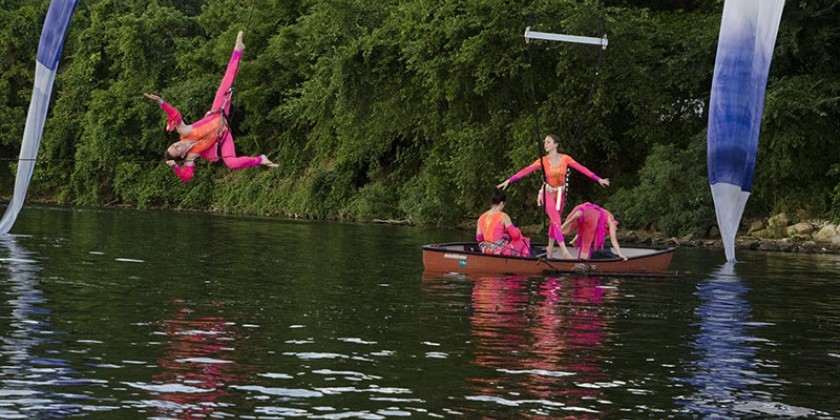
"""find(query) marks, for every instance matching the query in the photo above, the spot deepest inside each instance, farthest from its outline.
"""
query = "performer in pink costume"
(495, 232)
(591, 223)
(209, 136)
(555, 165)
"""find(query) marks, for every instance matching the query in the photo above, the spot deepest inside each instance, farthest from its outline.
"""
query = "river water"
(144, 314)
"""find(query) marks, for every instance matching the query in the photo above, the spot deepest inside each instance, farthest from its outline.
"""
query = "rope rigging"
(105, 160)
(247, 27)
(233, 91)
(584, 111)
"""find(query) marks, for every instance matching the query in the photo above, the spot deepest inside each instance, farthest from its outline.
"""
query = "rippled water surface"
(129, 314)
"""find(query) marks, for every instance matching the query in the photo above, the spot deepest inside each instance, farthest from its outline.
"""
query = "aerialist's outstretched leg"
(224, 92)
(232, 161)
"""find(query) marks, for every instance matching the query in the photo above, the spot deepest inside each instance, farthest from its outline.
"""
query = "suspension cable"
(536, 110)
(581, 118)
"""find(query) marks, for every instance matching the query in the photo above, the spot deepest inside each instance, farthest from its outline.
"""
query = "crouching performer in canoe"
(495, 232)
(208, 138)
(592, 223)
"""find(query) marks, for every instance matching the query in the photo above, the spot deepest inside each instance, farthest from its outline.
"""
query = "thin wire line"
(589, 100)
(100, 160)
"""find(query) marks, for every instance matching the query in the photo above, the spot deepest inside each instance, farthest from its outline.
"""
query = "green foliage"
(799, 144)
(428, 200)
(415, 109)
(673, 196)
(373, 201)
(16, 68)
(135, 183)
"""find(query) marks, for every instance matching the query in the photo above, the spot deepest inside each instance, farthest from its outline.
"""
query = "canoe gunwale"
(457, 257)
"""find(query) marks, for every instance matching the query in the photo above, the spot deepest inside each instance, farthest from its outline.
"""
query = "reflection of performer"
(537, 349)
(198, 357)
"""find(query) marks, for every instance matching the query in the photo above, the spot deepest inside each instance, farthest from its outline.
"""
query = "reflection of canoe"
(465, 257)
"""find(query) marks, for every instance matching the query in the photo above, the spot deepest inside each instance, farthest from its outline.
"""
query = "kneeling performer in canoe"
(495, 232)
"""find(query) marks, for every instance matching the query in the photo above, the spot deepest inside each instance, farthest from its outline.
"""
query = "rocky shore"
(781, 233)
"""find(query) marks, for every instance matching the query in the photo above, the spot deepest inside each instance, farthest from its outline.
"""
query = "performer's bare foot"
(240, 44)
(264, 161)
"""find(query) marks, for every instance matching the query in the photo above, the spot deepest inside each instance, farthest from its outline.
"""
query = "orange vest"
(492, 226)
(205, 135)
(556, 175)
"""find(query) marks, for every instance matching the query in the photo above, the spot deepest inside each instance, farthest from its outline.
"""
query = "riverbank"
(741, 242)
(775, 234)
(780, 233)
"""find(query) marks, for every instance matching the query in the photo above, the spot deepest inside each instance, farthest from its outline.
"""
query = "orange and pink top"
(556, 175)
(493, 228)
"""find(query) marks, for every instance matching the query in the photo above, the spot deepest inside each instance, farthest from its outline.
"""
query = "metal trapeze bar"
(529, 34)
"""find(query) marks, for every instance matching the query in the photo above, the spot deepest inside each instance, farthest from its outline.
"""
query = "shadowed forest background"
(415, 109)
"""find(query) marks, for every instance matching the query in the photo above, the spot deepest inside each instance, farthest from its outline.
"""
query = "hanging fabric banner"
(745, 47)
(49, 52)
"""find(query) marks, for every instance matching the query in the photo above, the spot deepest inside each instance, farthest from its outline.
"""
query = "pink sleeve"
(173, 117)
(582, 169)
(526, 171)
(184, 172)
(170, 110)
(479, 237)
(514, 232)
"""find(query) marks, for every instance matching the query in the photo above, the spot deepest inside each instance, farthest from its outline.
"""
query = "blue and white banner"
(49, 53)
(745, 48)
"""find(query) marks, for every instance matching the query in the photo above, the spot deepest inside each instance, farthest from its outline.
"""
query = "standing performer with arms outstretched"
(555, 165)
(208, 138)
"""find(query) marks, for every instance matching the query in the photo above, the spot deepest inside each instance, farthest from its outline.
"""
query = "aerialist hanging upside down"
(208, 138)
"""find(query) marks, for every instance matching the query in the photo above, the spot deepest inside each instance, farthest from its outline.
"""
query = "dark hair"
(498, 196)
(167, 156)
(555, 138)
(617, 218)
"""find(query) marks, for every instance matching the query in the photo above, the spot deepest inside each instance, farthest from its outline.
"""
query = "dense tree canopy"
(415, 108)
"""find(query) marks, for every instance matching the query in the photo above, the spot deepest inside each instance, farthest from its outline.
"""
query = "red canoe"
(464, 257)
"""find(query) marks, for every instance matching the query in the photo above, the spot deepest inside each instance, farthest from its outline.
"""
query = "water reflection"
(198, 365)
(727, 375)
(28, 378)
(175, 337)
(541, 339)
